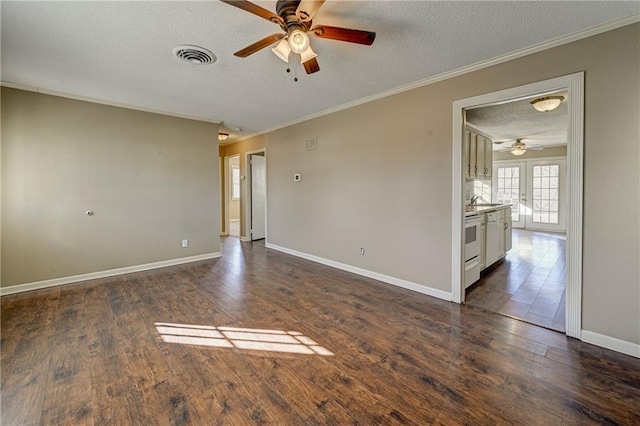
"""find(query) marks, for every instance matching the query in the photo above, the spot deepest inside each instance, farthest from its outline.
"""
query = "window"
(235, 182)
(545, 194)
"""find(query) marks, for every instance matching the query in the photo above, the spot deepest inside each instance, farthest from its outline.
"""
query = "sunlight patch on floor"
(240, 338)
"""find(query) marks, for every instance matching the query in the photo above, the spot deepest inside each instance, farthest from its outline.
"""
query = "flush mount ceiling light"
(548, 103)
(223, 136)
(194, 55)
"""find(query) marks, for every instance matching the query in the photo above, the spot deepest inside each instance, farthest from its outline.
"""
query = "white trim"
(245, 239)
(558, 41)
(429, 291)
(45, 91)
(574, 84)
(612, 343)
(103, 274)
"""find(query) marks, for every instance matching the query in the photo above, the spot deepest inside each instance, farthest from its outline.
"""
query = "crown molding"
(555, 42)
(75, 97)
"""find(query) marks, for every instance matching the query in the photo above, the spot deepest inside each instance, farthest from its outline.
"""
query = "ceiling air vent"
(194, 55)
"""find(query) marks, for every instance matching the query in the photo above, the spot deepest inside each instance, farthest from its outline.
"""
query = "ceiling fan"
(519, 147)
(295, 18)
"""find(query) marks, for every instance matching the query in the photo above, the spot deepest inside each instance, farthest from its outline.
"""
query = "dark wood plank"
(94, 353)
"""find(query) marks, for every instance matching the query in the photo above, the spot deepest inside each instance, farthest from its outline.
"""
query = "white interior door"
(258, 167)
(536, 190)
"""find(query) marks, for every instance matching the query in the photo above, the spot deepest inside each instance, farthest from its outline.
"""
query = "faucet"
(475, 199)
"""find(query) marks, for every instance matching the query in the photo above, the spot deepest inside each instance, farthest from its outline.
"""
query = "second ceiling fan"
(295, 18)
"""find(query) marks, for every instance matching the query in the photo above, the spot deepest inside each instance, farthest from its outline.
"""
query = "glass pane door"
(546, 195)
(506, 187)
(535, 189)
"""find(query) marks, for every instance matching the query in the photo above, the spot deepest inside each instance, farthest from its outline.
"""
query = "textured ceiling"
(519, 120)
(120, 52)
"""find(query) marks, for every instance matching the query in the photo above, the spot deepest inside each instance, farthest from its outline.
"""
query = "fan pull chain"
(295, 71)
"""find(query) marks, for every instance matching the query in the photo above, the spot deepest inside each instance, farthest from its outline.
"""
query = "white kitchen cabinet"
(478, 156)
(508, 229)
(488, 158)
(497, 236)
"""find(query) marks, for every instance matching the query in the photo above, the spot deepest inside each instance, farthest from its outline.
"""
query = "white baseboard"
(612, 343)
(19, 288)
(245, 239)
(366, 273)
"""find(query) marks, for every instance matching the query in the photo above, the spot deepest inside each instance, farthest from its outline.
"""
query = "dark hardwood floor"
(261, 337)
(529, 283)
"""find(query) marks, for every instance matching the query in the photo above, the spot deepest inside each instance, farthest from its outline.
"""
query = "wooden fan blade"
(259, 45)
(344, 34)
(307, 9)
(311, 66)
(256, 10)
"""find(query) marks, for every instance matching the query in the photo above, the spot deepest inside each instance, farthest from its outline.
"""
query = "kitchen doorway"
(573, 85)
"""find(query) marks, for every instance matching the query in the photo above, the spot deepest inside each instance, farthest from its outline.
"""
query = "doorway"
(574, 87)
(256, 212)
(233, 191)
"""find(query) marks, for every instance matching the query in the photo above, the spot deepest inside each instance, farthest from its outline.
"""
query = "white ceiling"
(120, 52)
(505, 123)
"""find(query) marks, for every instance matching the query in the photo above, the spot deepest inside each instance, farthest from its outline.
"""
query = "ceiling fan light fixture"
(222, 136)
(298, 41)
(282, 50)
(307, 55)
(548, 103)
(518, 151)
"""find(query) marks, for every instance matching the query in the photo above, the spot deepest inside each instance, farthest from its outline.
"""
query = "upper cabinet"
(478, 156)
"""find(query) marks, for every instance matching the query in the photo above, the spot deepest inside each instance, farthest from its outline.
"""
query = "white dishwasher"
(495, 233)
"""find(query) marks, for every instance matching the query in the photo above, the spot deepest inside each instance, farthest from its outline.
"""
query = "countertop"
(483, 208)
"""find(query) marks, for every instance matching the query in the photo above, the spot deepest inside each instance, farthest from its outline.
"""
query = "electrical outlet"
(297, 177)
(362, 251)
(185, 243)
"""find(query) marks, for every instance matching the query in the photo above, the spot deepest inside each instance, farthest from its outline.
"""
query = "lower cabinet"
(498, 235)
(508, 241)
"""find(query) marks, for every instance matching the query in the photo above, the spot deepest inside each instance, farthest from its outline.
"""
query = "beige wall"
(151, 180)
(241, 148)
(556, 151)
(381, 177)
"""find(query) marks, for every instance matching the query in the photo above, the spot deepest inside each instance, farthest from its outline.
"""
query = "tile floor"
(529, 284)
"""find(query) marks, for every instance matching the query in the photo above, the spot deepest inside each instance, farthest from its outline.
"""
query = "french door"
(537, 191)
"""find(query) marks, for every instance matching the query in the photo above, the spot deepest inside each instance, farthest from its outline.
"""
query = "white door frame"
(247, 197)
(574, 84)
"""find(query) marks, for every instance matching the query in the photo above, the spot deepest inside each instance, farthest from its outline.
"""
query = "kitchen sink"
(486, 205)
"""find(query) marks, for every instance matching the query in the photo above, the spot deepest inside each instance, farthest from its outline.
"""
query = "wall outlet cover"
(297, 177)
